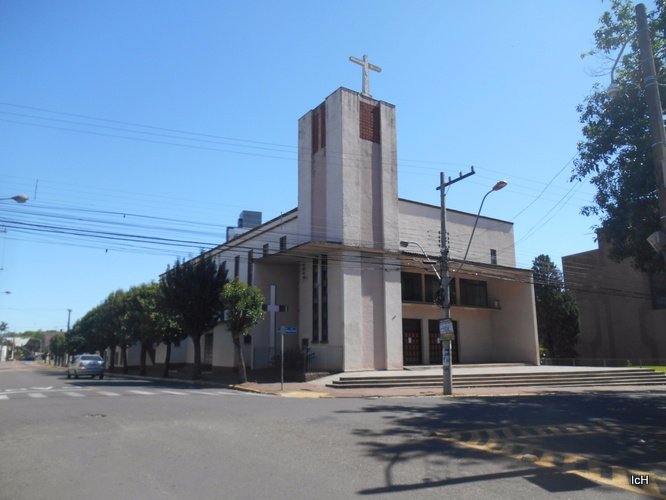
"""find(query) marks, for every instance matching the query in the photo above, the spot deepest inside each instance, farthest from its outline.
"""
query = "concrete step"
(571, 378)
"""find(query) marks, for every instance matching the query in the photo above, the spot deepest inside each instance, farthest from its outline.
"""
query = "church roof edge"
(454, 210)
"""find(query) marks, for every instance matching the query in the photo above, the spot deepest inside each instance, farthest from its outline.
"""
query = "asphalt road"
(115, 438)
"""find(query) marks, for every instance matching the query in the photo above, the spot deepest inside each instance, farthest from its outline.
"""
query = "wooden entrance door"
(411, 342)
(435, 343)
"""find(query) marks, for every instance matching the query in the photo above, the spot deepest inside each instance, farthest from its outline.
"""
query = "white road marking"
(2, 397)
(36, 395)
(177, 393)
(143, 393)
(75, 394)
(205, 393)
(108, 393)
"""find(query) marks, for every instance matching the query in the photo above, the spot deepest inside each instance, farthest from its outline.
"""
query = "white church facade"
(334, 267)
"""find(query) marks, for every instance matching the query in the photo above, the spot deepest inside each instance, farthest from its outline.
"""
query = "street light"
(405, 244)
(446, 325)
(496, 187)
(19, 198)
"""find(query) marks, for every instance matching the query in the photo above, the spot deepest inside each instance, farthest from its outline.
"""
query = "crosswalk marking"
(129, 392)
(75, 394)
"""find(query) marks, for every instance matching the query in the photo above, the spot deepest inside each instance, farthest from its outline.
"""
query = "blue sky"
(167, 118)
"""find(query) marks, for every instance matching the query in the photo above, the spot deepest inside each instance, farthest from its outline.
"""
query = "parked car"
(86, 364)
(28, 357)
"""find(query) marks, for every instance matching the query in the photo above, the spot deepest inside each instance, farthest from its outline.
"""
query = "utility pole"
(446, 325)
(657, 239)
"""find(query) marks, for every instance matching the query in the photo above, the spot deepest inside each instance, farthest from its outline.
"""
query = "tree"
(169, 330)
(557, 312)
(616, 152)
(244, 306)
(191, 292)
(140, 319)
(58, 348)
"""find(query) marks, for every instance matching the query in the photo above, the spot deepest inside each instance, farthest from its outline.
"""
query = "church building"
(344, 271)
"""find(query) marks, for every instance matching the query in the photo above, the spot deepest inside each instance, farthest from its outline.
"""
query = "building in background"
(622, 311)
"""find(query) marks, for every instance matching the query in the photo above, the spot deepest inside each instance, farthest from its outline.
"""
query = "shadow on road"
(624, 430)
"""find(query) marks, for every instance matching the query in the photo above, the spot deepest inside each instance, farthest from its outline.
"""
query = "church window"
(412, 287)
(320, 299)
(319, 128)
(250, 258)
(493, 256)
(369, 122)
(265, 249)
(283, 243)
(473, 293)
(236, 266)
(324, 298)
(315, 300)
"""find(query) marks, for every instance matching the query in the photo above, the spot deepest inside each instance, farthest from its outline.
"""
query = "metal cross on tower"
(366, 66)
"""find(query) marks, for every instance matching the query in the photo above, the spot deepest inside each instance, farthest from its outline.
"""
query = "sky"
(140, 130)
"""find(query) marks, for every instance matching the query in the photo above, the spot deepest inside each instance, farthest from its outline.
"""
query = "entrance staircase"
(553, 378)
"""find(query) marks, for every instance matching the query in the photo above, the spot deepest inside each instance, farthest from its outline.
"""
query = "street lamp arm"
(496, 187)
(407, 243)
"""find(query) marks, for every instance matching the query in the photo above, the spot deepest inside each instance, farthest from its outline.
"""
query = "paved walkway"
(318, 389)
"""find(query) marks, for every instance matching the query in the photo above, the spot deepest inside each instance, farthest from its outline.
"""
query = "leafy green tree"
(169, 330)
(109, 325)
(244, 306)
(557, 312)
(191, 292)
(616, 152)
(58, 348)
(140, 319)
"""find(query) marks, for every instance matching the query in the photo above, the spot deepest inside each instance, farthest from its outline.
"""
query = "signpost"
(284, 330)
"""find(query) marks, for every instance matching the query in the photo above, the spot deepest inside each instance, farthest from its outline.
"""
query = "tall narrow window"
(369, 122)
(250, 258)
(324, 298)
(319, 128)
(315, 300)
(265, 250)
(236, 266)
(283, 243)
(493, 256)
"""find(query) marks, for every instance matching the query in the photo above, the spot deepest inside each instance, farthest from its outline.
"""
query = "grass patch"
(656, 368)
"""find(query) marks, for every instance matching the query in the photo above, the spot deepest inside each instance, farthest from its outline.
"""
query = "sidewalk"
(317, 388)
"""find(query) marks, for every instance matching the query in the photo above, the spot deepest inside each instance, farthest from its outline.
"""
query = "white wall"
(421, 223)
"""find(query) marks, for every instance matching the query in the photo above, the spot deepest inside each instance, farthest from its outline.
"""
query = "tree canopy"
(616, 152)
(243, 304)
(557, 313)
(191, 293)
